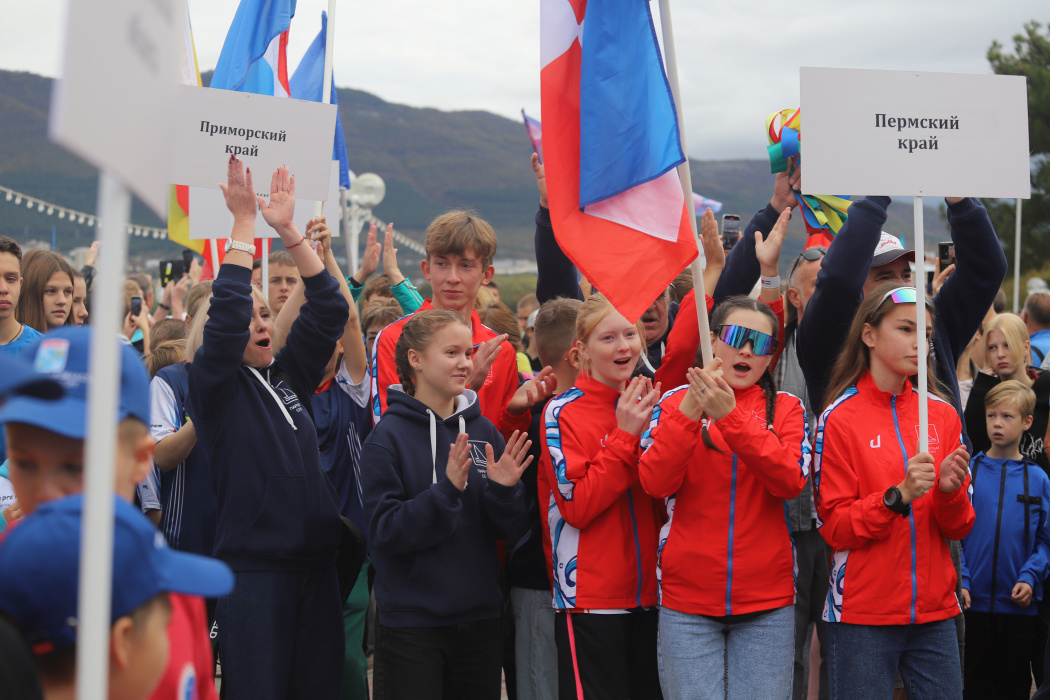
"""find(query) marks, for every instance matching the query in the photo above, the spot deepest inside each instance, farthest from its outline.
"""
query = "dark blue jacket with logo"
(433, 546)
(276, 508)
(1001, 551)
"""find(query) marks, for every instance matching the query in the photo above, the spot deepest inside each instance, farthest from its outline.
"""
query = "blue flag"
(252, 35)
(306, 85)
(628, 123)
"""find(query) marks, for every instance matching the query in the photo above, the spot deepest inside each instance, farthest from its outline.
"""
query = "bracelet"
(289, 247)
(770, 282)
(165, 307)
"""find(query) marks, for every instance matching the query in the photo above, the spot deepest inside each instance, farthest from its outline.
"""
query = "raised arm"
(779, 459)
(556, 276)
(669, 445)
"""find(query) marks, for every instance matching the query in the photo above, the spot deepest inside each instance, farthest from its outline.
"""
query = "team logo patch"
(52, 355)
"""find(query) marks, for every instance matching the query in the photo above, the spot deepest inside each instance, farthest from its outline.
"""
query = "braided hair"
(766, 381)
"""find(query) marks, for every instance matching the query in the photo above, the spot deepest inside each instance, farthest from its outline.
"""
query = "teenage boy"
(460, 247)
(46, 462)
(284, 275)
(535, 651)
(14, 336)
(1006, 557)
(41, 560)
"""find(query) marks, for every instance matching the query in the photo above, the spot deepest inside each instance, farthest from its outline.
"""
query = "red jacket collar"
(866, 385)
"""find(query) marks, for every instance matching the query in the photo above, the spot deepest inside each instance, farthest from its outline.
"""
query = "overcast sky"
(739, 60)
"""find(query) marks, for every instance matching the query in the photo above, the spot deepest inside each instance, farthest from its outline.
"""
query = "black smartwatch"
(893, 500)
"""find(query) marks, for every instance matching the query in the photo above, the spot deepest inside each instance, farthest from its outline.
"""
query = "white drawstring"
(433, 439)
(287, 416)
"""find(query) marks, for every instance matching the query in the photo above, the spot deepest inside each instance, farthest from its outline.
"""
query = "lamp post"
(366, 191)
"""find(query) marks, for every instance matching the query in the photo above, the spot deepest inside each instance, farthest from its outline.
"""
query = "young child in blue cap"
(41, 599)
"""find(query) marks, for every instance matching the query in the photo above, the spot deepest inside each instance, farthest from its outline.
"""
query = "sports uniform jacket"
(726, 548)
(494, 395)
(601, 526)
(886, 569)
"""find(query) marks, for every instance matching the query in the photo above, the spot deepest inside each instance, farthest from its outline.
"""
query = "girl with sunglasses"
(724, 451)
(888, 510)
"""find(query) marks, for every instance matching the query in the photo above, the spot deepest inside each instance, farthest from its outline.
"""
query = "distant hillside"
(431, 161)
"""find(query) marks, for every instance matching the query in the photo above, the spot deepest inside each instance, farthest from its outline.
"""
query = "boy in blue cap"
(41, 599)
(46, 462)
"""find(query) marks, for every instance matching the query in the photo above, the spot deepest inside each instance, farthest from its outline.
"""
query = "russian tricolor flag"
(254, 57)
(612, 148)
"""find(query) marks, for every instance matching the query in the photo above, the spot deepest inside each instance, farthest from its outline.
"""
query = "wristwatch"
(893, 500)
(237, 245)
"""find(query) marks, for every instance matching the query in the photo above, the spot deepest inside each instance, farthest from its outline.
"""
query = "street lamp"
(366, 191)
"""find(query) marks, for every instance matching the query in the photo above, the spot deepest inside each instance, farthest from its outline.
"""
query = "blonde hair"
(459, 233)
(591, 313)
(555, 330)
(1013, 392)
(196, 335)
(1015, 332)
(168, 353)
(416, 335)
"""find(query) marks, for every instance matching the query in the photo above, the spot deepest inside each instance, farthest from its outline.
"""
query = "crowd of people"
(553, 497)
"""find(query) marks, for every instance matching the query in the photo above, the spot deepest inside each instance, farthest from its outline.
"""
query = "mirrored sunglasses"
(738, 336)
(904, 295)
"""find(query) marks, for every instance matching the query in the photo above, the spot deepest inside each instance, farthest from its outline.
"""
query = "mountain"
(431, 161)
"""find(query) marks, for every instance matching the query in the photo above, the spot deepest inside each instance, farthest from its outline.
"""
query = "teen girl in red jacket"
(888, 512)
(723, 452)
(602, 526)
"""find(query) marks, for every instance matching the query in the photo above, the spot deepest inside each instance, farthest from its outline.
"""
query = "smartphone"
(946, 253)
(136, 306)
(187, 260)
(172, 270)
(730, 231)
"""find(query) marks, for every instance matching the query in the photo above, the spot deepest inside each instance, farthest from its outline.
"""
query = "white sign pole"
(266, 269)
(700, 262)
(215, 258)
(920, 323)
(96, 543)
(1017, 259)
(326, 88)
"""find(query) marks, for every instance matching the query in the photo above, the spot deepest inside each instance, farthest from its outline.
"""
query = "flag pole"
(265, 269)
(326, 87)
(920, 324)
(96, 541)
(698, 264)
(1017, 259)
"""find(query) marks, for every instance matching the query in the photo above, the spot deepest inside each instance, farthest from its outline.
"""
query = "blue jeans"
(535, 651)
(701, 658)
(281, 636)
(862, 660)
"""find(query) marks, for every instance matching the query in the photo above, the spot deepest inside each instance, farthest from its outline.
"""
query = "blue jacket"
(1001, 551)
(276, 508)
(960, 306)
(433, 546)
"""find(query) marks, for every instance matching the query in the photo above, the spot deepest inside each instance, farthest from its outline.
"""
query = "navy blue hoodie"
(276, 508)
(433, 546)
(960, 306)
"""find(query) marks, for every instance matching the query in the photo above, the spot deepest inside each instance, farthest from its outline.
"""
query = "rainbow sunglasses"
(904, 295)
(738, 336)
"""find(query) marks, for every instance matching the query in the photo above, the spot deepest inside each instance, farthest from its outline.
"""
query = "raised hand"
(390, 268)
(92, 255)
(278, 212)
(533, 392)
(635, 407)
(541, 179)
(317, 231)
(508, 470)
(459, 462)
(713, 250)
(768, 251)
(239, 191)
(483, 357)
(954, 469)
(370, 259)
(920, 477)
(785, 185)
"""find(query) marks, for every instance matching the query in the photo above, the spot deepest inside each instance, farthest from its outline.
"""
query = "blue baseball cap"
(18, 378)
(41, 560)
(62, 356)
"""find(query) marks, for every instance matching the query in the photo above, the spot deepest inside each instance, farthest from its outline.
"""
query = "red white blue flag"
(535, 131)
(611, 149)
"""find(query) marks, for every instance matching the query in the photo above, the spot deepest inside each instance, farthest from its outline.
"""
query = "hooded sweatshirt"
(434, 546)
(276, 508)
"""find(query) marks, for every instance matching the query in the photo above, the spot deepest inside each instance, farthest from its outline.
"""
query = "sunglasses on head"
(809, 255)
(738, 336)
(904, 295)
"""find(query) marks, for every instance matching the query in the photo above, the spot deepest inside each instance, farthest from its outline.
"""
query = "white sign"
(113, 104)
(209, 217)
(875, 132)
(265, 132)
